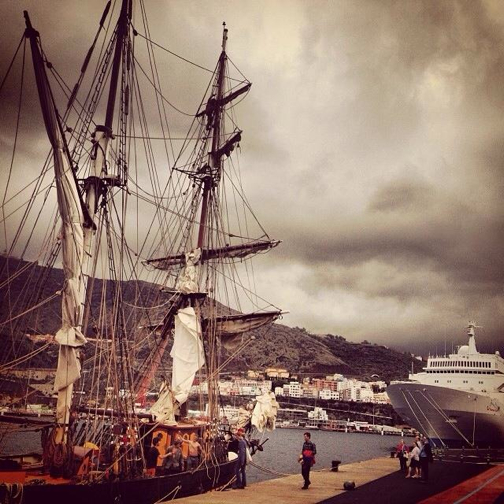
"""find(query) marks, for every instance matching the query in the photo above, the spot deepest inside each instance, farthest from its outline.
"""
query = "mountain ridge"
(277, 345)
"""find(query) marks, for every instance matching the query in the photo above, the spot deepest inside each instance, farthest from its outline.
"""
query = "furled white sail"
(265, 412)
(188, 281)
(163, 410)
(187, 352)
(69, 336)
(231, 325)
(229, 252)
(70, 208)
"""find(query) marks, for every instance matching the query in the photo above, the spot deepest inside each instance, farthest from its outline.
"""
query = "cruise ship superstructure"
(457, 400)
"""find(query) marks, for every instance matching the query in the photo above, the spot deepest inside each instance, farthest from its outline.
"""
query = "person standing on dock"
(402, 455)
(241, 465)
(425, 459)
(414, 457)
(307, 459)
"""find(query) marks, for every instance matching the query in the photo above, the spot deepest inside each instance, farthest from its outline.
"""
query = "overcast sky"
(374, 140)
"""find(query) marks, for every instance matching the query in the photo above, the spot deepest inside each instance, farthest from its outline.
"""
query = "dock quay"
(377, 481)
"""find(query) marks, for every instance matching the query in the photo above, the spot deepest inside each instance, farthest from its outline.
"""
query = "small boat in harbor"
(457, 400)
(287, 424)
(335, 426)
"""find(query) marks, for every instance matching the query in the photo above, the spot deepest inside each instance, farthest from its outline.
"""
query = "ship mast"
(208, 247)
(102, 180)
(74, 216)
(99, 179)
(214, 168)
(78, 216)
(215, 155)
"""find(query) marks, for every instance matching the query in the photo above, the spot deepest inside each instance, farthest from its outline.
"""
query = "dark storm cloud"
(372, 146)
(398, 199)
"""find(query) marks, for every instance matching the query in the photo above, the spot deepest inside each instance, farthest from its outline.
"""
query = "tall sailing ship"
(457, 400)
(155, 244)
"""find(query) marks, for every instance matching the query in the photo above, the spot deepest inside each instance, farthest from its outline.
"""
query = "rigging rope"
(23, 39)
(18, 272)
(268, 471)
(175, 491)
(158, 91)
(428, 421)
(137, 33)
(25, 358)
(42, 303)
(13, 156)
(446, 418)
(13, 493)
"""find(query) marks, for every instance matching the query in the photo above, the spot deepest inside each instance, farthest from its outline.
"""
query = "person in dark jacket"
(307, 459)
(425, 459)
(152, 457)
(241, 463)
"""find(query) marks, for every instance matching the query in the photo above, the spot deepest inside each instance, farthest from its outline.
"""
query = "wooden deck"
(325, 484)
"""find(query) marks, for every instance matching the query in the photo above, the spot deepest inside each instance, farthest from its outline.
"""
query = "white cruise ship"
(457, 400)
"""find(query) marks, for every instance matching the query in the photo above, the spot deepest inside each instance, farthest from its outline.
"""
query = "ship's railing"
(470, 455)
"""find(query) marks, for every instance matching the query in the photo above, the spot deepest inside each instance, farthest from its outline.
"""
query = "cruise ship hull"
(450, 417)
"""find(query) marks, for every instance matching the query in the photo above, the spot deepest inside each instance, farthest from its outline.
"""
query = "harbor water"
(280, 453)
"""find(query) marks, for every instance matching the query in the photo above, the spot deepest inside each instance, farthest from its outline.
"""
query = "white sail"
(163, 410)
(188, 281)
(265, 412)
(69, 336)
(70, 209)
(187, 353)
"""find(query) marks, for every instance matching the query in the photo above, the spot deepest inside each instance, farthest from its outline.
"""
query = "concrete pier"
(378, 481)
(325, 484)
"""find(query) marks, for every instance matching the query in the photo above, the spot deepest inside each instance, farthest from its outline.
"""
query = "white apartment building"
(342, 390)
(328, 394)
(318, 414)
(292, 389)
(366, 394)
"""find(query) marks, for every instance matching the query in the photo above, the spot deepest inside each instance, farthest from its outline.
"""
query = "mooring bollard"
(335, 464)
(349, 485)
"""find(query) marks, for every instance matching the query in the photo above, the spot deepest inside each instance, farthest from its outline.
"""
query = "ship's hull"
(146, 490)
(450, 417)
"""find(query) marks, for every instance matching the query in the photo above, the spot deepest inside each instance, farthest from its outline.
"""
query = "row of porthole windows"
(438, 364)
(465, 371)
(463, 381)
